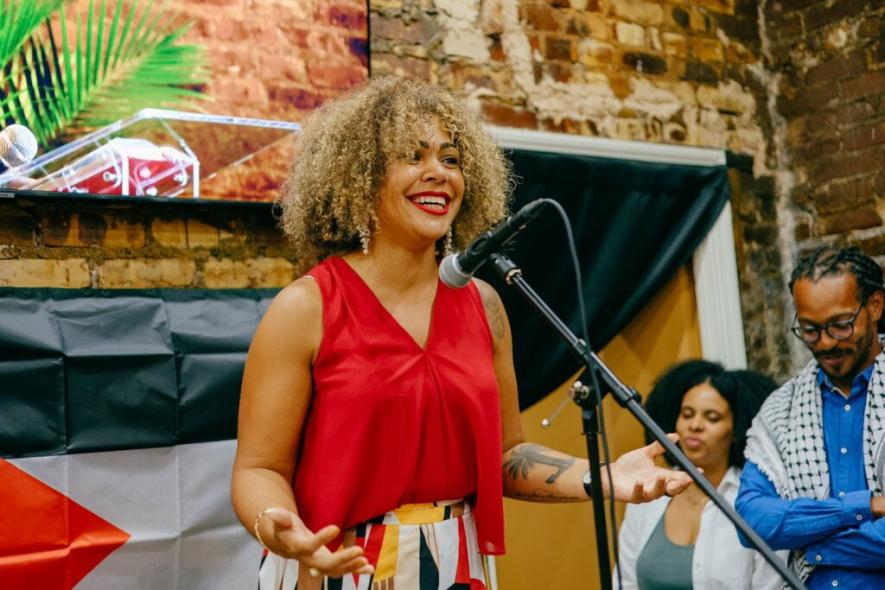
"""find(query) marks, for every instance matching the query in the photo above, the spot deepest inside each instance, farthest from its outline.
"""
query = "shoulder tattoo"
(494, 311)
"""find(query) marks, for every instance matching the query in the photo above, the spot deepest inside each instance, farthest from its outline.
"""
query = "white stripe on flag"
(174, 501)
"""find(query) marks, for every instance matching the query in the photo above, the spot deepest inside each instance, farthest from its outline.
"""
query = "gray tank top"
(662, 564)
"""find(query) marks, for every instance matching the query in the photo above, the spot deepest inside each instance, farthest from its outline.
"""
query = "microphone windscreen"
(450, 273)
(17, 145)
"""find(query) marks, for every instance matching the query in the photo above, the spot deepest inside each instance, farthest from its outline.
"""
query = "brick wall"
(99, 244)
(796, 85)
(274, 59)
(827, 68)
(672, 72)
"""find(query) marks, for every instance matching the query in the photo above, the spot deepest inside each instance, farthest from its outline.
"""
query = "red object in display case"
(126, 167)
(154, 153)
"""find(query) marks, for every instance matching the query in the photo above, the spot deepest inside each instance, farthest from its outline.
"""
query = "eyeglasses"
(838, 330)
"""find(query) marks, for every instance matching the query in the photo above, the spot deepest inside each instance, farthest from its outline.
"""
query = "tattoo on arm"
(545, 496)
(494, 313)
(526, 456)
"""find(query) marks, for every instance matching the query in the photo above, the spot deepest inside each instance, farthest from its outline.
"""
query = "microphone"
(17, 146)
(456, 270)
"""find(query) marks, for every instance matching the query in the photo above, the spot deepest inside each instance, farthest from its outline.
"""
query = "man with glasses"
(815, 471)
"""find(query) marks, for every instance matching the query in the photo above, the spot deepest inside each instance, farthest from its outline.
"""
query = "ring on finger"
(313, 572)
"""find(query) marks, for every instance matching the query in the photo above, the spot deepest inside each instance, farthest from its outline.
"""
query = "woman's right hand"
(285, 534)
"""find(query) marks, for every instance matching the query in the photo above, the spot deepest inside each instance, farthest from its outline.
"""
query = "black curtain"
(635, 224)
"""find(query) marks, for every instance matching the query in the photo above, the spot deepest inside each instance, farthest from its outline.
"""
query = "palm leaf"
(110, 73)
(18, 21)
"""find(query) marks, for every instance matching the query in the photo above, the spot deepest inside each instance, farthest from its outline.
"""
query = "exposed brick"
(837, 68)
(700, 72)
(348, 16)
(868, 84)
(846, 165)
(839, 196)
(16, 230)
(71, 273)
(865, 135)
(123, 233)
(823, 13)
(675, 44)
(270, 272)
(593, 52)
(645, 62)
(872, 245)
(337, 75)
(870, 28)
(630, 34)
(142, 274)
(680, 16)
(395, 28)
(300, 98)
(496, 49)
(737, 53)
(639, 11)
(409, 67)
(559, 48)
(589, 24)
(862, 218)
(499, 114)
(541, 17)
(170, 233)
(201, 235)
(255, 273)
(75, 230)
(698, 21)
(707, 50)
(722, 6)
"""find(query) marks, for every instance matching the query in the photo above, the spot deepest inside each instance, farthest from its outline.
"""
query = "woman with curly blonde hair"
(379, 405)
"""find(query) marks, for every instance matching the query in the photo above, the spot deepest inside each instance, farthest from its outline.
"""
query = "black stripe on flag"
(96, 370)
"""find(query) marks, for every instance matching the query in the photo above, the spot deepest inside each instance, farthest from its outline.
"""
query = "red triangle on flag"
(46, 539)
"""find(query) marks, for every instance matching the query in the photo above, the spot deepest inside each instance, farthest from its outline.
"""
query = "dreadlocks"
(829, 261)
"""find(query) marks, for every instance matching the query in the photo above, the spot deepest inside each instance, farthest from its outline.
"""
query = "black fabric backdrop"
(87, 370)
(635, 225)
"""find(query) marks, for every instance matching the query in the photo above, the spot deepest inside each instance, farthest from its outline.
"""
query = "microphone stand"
(628, 398)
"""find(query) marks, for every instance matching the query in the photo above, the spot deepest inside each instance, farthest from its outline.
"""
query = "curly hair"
(342, 157)
(743, 390)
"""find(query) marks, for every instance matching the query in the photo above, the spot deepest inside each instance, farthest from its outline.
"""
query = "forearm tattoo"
(524, 457)
(545, 496)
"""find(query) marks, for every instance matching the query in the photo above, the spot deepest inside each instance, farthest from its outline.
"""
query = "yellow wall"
(552, 546)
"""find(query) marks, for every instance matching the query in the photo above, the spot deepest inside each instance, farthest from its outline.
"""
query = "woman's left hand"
(636, 477)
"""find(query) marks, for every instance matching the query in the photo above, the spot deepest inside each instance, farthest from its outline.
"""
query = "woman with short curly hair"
(376, 400)
(686, 542)
(330, 197)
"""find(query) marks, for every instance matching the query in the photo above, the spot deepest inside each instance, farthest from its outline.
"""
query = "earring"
(364, 239)
(447, 244)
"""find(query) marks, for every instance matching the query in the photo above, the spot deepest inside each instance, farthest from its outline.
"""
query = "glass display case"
(163, 153)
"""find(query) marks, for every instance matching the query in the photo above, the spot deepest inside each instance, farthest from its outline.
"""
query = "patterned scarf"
(786, 442)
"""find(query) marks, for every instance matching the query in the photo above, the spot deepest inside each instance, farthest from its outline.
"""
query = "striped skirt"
(415, 547)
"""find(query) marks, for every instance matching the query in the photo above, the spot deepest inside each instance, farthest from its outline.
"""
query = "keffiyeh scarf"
(786, 442)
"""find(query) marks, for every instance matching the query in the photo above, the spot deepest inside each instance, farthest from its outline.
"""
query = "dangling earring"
(364, 239)
(447, 244)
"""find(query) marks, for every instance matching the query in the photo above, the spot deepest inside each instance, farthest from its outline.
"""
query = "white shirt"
(719, 562)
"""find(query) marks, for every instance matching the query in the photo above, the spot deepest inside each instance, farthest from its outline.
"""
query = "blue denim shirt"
(838, 533)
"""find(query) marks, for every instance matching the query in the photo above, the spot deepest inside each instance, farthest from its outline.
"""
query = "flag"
(117, 428)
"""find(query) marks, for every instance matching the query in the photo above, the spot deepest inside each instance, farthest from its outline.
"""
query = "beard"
(859, 355)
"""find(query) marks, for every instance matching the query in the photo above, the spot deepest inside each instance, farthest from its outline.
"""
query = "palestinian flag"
(117, 427)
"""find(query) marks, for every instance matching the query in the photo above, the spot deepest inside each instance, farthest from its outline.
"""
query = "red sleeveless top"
(391, 423)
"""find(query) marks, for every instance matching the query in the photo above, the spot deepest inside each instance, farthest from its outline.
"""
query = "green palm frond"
(97, 74)
(18, 21)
